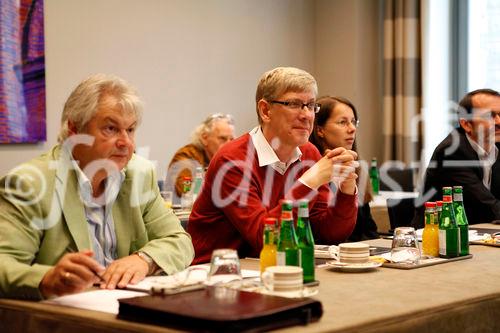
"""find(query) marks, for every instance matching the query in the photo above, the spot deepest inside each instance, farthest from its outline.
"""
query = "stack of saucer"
(283, 278)
(354, 253)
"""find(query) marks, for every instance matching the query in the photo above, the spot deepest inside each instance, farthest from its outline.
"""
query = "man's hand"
(74, 273)
(337, 165)
(130, 269)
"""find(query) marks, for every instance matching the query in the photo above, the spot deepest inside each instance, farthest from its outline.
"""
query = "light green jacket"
(42, 217)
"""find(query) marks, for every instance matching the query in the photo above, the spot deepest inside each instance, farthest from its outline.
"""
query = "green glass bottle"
(449, 239)
(439, 209)
(305, 240)
(461, 218)
(198, 182)
(374, 176)
(288, 250)
(187, 195)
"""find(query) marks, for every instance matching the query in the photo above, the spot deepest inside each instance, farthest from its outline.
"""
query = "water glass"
(405, 247)
(224, 267)
(167, 198)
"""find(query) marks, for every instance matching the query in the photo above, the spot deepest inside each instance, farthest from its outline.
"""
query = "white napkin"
(325, 251)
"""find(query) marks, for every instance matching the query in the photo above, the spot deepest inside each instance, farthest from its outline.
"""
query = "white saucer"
(305, 292)
(354, 267)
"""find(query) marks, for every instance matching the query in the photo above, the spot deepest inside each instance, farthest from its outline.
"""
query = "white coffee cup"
(351, 253)
(283, 278)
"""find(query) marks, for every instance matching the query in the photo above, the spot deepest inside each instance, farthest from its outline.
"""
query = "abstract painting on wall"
(22, 72)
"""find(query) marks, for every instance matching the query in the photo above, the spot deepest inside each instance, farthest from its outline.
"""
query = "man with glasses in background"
(206, 139)
(468, 157)
(249, 176)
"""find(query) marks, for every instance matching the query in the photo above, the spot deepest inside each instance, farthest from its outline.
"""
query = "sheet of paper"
(249, 273)
(98, 300)
(107, 300)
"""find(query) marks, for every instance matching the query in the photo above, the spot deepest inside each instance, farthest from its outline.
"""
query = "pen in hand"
(101, 280)
(97, 273)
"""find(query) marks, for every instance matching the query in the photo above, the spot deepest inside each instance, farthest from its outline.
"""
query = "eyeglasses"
(344, 123)
(495, 114)
(298, 105)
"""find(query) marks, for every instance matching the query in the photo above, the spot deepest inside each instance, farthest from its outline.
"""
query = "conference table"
(459, 296)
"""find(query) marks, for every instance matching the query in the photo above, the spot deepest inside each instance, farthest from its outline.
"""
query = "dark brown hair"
(328, 104)
(466, 101)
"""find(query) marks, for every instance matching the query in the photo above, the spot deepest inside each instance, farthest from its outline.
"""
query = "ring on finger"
(66, 278)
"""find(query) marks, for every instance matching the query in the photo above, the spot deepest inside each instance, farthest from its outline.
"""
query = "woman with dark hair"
(335, 126)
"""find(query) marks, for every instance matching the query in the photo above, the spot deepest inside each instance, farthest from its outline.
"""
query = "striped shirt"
(99, 216)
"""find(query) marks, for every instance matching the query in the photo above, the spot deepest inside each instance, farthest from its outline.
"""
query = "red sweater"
(238, 195)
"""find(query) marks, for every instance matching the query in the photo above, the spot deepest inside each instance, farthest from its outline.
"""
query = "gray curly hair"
(207, 125)
(83, 102)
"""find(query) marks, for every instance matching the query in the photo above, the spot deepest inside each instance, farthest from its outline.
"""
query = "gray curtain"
(402, 80)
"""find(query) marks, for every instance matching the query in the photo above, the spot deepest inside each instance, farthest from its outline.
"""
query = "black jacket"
(452, 165)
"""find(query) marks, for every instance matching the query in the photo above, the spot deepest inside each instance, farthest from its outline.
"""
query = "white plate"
(305, 292)
(354, 267)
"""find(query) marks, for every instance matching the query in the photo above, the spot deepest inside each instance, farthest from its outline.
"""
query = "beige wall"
(348, 63)
(192, 58)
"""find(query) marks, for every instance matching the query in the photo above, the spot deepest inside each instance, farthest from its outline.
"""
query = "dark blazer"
(454, 165)
(365, 227)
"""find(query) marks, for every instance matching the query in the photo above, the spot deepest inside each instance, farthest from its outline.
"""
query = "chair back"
(161, 185)
(401, 212)
(403, 177)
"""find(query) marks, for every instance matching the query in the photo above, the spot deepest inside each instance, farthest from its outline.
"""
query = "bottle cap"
(287, 204)
(430, 204)
(271, 220)
(439, 203)
(303, 203)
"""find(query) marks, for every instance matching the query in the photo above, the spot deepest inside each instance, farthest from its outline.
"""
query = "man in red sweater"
(249, 176)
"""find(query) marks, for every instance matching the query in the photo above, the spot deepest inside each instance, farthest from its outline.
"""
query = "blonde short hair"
(281, 80)
(84, 100)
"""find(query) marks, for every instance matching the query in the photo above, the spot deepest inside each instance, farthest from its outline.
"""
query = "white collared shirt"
(487, 159)
(266, 154)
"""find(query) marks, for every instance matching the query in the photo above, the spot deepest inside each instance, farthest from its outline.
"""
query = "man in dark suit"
(468, 156)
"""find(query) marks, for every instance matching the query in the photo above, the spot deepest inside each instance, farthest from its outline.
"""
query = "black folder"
(221, 309)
